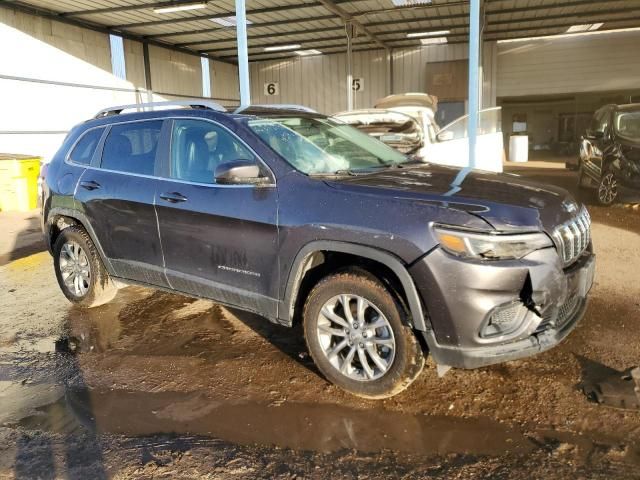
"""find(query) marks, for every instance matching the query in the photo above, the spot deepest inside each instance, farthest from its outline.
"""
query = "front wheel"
(358, 338)
(79, 269)
(607, 189)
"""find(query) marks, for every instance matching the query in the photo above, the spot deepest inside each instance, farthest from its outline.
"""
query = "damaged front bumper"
(545, 300)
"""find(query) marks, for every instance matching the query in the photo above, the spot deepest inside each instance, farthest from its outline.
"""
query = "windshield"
(323, 145)
(627, 124)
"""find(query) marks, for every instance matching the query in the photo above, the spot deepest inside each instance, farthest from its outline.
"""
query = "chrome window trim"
(184, 117)
(67, 157)
(233, 135)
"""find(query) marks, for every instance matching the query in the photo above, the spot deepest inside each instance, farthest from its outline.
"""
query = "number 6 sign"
(271, 89)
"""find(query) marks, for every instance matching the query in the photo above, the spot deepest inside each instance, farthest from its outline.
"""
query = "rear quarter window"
(83, 151)
(131, 147)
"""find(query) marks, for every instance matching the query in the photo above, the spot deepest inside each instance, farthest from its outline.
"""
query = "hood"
(396, 129)
(408, 100)
(508, 202)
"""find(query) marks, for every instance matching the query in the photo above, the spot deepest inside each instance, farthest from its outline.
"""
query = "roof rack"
(206, 104)
(278, 106)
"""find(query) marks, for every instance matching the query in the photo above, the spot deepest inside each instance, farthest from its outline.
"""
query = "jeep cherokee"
(297, 217)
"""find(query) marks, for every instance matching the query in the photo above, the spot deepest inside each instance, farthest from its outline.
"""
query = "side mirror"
(445, 136)
(239, 172)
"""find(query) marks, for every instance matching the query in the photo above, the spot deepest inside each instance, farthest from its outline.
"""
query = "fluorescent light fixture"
(180, 7)
(281, 47)
(306, 53)
(408, 3)
(433, 41)
(228, 21)
(436, 33)
(587, 27)
(568, 35)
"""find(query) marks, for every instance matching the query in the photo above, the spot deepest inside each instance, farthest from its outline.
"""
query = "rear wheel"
(607, 188)
(79, 269)
(357, 335)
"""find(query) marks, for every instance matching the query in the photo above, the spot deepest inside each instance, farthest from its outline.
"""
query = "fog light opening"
(504, 320)
(526, 296)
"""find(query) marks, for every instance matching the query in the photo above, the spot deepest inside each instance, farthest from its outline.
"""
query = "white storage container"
(519, 148)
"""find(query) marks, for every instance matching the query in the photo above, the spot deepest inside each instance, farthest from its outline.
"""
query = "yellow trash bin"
(19, 182)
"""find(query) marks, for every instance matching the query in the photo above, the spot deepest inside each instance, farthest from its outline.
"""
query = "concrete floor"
(160, 385)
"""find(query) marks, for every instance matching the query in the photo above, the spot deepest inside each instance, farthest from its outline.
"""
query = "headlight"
(490, 246)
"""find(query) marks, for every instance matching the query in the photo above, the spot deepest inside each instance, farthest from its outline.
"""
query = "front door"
(593, 143)
(117, 196)
(219, 241)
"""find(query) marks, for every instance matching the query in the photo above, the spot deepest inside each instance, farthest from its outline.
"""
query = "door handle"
(89, 184)
(173, 197)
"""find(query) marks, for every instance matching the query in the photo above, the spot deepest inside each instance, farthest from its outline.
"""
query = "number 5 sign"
(357, 84)
(271, 88)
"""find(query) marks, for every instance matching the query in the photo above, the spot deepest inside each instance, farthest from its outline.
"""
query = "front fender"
(287, 304)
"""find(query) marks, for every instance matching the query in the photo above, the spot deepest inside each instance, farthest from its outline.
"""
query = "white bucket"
(518, 148)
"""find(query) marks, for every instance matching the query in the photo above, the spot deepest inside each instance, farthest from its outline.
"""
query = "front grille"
(573, 237)
(565, 313)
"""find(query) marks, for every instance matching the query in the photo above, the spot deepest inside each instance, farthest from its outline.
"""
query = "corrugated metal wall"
(66, 70)
(569, 65)
(320, 81)
(224, 83)
(174, 72)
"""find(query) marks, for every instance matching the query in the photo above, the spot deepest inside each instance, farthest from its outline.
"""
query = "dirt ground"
(156, 385)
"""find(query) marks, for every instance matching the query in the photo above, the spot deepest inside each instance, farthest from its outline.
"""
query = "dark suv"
(610, 153)
(295, 216)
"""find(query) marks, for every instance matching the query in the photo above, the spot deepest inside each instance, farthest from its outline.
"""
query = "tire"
(74, 250)
(338, 351)
(607, 192)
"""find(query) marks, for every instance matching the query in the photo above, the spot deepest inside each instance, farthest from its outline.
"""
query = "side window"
(198, 147)
(84, 149)
(131, 147)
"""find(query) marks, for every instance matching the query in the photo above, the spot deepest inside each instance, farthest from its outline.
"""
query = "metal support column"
(474, 77)
(147, 72)
(348, 26)
(389, 71)
(243, 54)
(474, 94)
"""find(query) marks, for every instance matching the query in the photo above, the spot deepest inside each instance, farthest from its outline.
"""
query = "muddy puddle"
(316, 427)
(51, 394)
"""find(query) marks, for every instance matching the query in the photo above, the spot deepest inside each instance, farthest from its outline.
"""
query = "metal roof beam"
(464, 16)
(566, 24)
(232, 29)
(386, 34)
(347, 17)
(508, 11)
(314, 43)
(265, 35)
(195, 18)
(125, 8)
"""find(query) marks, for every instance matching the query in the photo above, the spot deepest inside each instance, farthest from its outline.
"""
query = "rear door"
(219, 241)
(117, 194)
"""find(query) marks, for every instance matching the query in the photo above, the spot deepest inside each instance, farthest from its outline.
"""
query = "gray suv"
(301, 218)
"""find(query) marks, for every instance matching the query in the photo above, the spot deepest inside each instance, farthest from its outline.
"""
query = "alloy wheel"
(356, 337)
(608, 189)
(75, 269)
